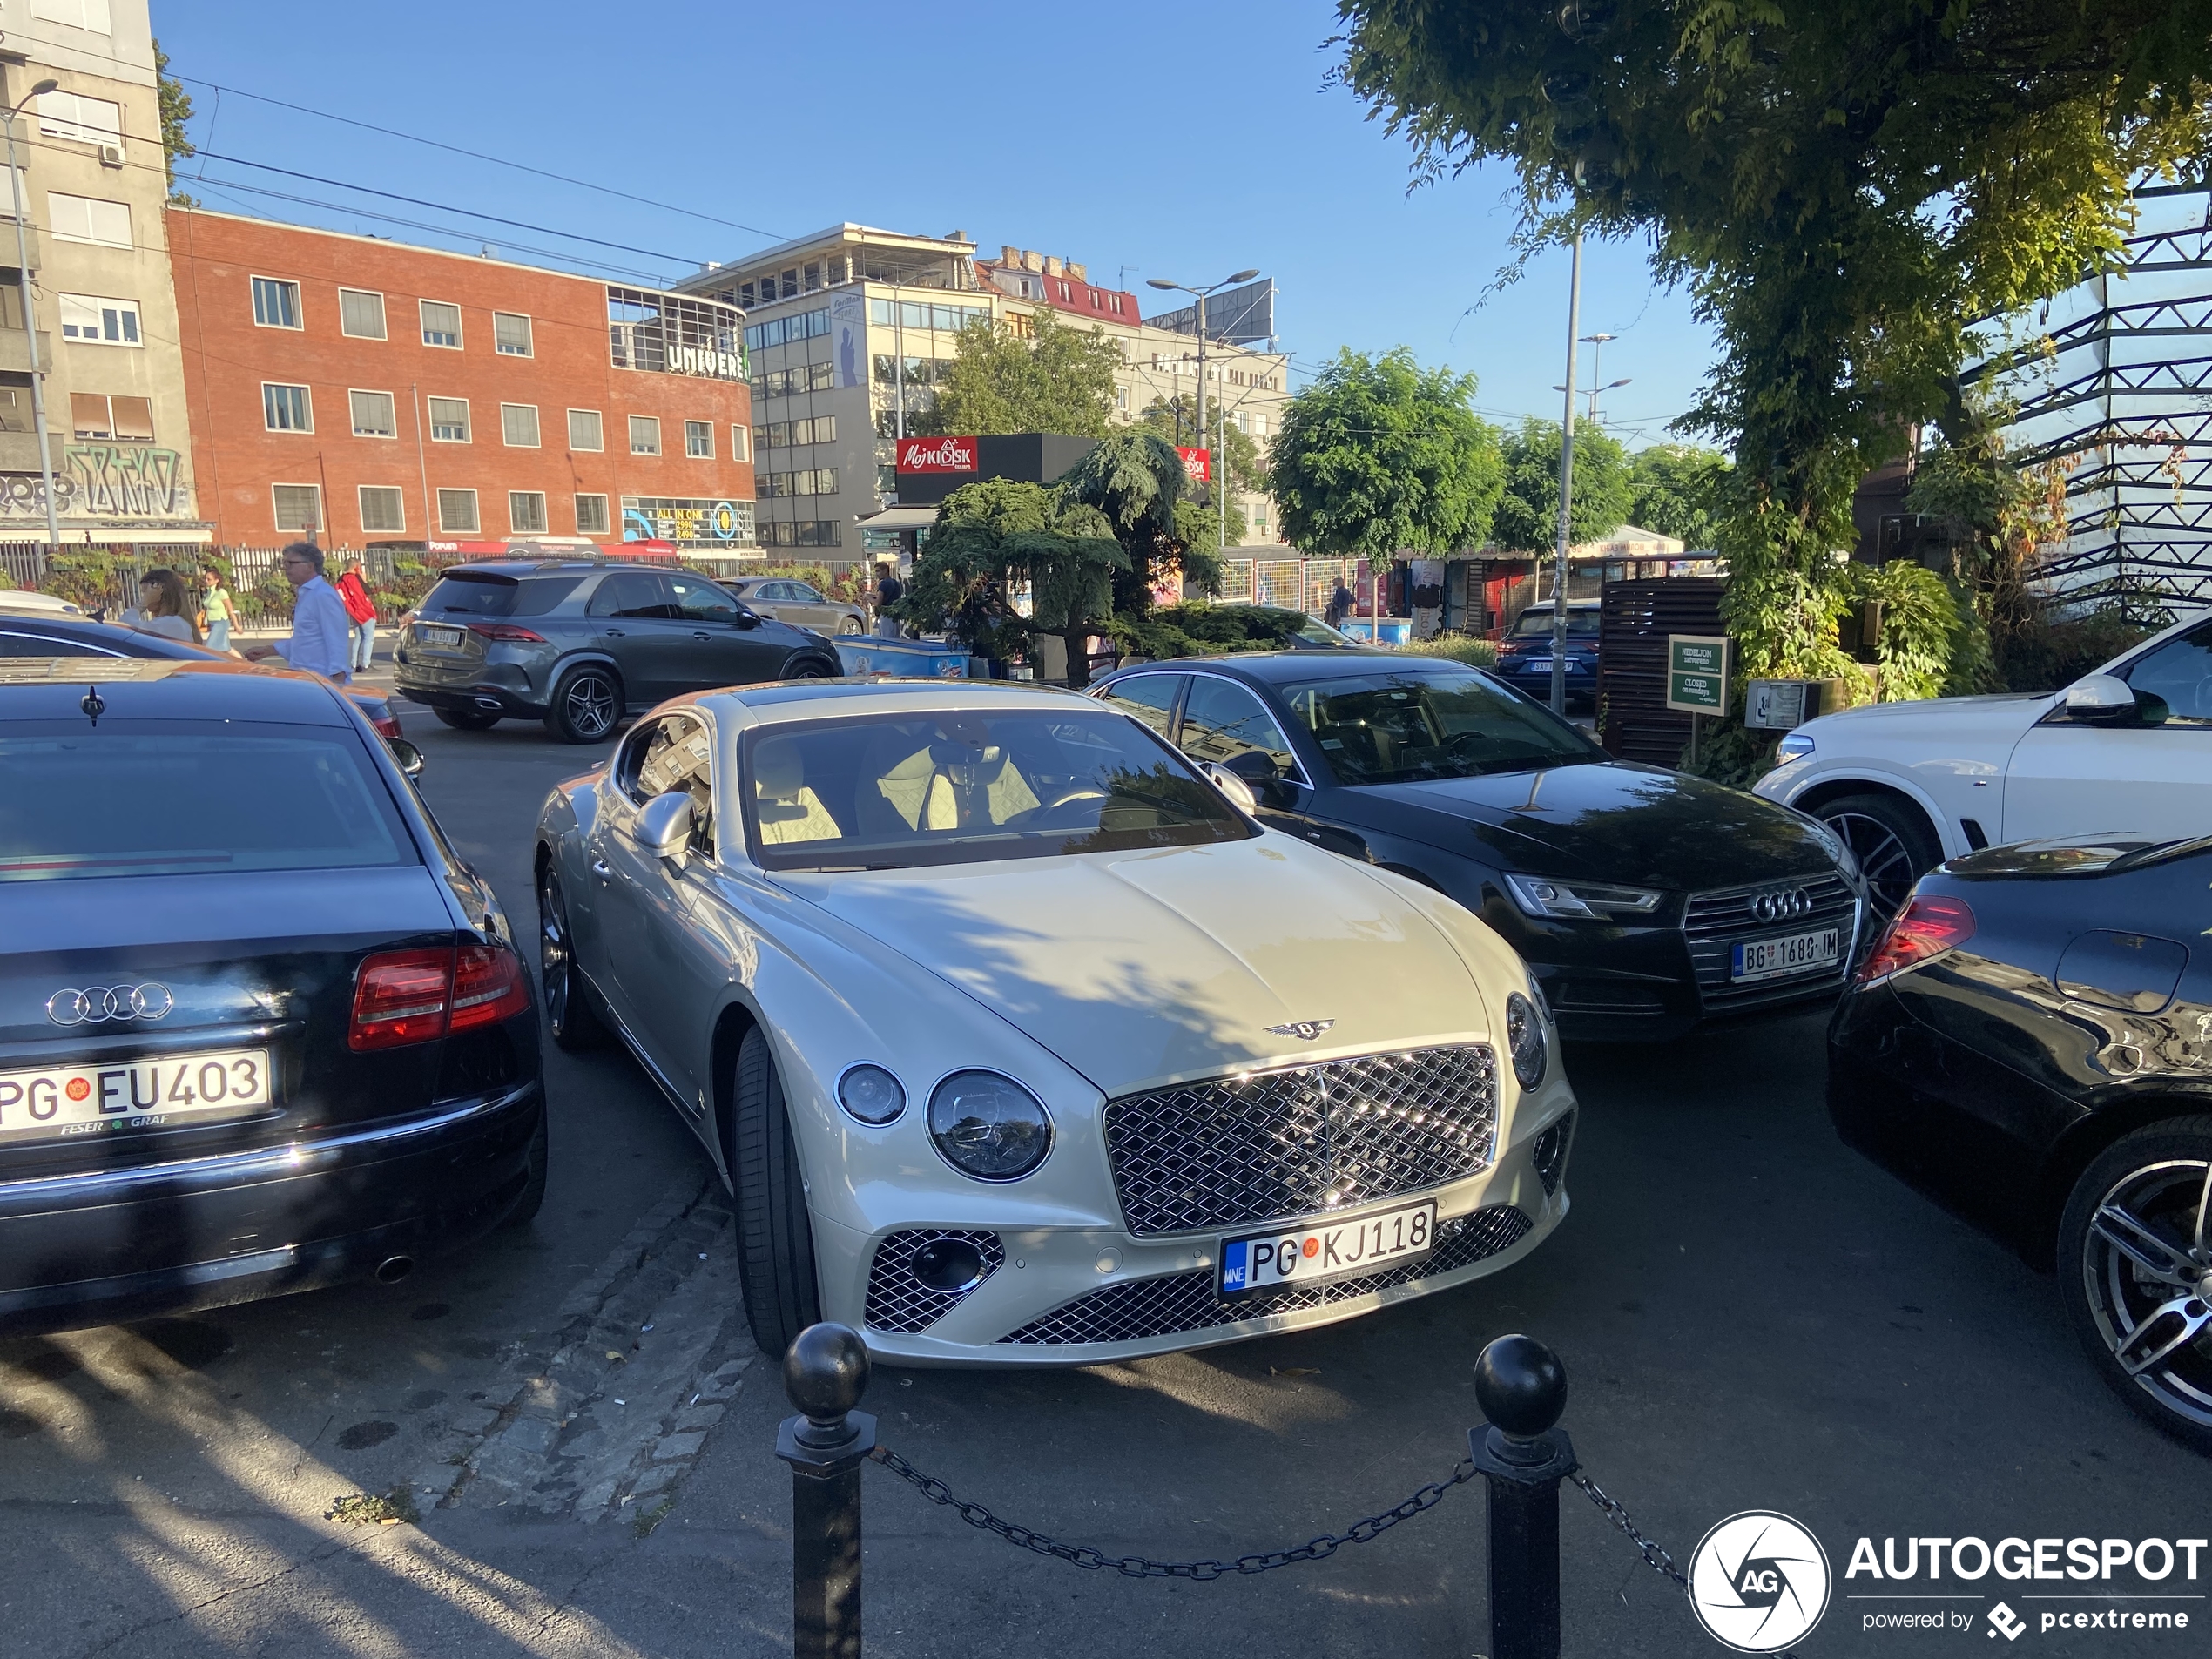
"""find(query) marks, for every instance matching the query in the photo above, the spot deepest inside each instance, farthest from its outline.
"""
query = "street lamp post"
(1566, 488)
(30, 321)
(1230, 281)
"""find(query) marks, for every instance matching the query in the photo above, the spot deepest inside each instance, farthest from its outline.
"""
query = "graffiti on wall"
(122, 481)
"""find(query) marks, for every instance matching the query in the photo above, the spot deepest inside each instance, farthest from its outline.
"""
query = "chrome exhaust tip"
(392, 1269)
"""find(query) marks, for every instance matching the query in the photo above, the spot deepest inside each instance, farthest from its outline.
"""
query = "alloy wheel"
(591, 706)
(2146, 1273)
(1883, 859)
(553, 957)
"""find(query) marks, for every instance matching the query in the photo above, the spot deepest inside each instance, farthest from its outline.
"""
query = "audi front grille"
(1713, 922)
(1294, 1141)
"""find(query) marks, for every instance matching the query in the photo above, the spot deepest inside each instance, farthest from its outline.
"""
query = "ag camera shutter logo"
(1758, 1582)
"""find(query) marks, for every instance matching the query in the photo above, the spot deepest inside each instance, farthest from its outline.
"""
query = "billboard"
(937, 455)
(1242, 316)
(1198, 463)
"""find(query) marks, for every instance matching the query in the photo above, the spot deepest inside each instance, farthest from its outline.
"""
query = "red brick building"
(375, 392)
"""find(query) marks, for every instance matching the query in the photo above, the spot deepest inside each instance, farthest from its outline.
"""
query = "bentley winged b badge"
(1304, 1030)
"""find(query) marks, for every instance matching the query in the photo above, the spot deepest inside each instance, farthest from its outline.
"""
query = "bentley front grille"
(922, 1274)
(1297, 1141)
(1176, 1304)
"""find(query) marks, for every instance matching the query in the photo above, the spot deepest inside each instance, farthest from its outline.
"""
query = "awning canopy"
(901, 518)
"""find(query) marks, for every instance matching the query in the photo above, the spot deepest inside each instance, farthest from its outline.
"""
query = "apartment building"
(91, 188)
(365, 390)
(848, 329)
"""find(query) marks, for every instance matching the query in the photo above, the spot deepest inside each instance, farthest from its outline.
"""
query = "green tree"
(1528, 517)
(1844, 188)
(1135, 482)
(1677, 490)
(176, 113)
(1176, 419)
(1057, 379)
(1378, 456)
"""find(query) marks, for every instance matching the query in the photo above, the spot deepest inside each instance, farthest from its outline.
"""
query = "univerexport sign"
(1697, 673)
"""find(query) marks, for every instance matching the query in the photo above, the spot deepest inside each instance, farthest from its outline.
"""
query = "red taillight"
(1926, 928)
(400, 996)
(385, 726)
(488, 986)
(506, 631)
(404, 996)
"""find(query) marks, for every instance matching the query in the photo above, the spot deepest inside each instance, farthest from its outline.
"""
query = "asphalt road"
(1751, 1316)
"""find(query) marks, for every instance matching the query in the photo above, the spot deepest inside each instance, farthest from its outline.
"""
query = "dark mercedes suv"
(575, 642)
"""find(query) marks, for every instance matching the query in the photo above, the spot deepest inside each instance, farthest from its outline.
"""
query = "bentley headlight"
(1543, 895)
(988, 1126)
(1526, 1037)
(871, 1094)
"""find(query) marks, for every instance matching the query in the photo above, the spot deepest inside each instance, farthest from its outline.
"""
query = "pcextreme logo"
(1758, 1582)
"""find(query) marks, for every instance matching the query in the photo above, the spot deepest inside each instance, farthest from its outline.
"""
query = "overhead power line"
(479, 155)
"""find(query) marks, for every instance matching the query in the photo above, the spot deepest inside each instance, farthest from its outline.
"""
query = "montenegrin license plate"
(1791, 954)
(60, 1103)
(431, 634)
(1309, 1254)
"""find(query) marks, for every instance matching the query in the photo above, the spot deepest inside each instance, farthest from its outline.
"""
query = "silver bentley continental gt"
(1020, 1042)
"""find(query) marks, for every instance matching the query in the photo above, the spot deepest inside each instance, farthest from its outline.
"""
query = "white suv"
(1908, 784)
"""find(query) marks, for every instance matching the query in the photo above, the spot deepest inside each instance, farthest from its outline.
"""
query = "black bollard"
(826, 1371)
(1522, 1389)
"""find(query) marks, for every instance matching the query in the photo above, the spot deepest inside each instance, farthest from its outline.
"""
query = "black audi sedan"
(575, 642)
(260, 1029)
(1645, 902)
(2031, 1044)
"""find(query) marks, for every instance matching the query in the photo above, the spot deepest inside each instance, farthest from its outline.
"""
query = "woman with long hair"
(163, 608)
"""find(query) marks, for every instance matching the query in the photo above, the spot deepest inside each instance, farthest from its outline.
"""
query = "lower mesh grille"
(1180, 1302)
(899, 1301)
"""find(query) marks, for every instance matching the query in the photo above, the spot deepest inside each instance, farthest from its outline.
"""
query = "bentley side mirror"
(409, 757)
(2101, 699)
(663, 825)
(1239, 792)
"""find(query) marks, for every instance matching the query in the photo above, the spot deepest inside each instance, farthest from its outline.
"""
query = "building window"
(449, 419)
(1121, 399)
(374, 414)
(276, 303)
(526, 511)
(91, 15)
(298, 507)
(584, 431)
(644, 434)
(698, 440)
(591, 515)
(1114, 303)
(383, 509)
(740, 444)
(783, 435)
(667, 335)
(286, 409)
(361, 313)
(440, 324)
(810, 481)
(511, 333)
(94, 416)
(457, 511)
(790, 383)
(84, 120)
(87, 219)
(819, 532)
(518, 425)
(108, 322)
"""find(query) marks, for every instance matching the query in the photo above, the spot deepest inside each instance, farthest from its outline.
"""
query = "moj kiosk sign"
(114, 480)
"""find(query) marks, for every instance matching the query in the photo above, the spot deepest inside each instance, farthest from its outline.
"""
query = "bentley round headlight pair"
(1526, 1037)
(983, 1124)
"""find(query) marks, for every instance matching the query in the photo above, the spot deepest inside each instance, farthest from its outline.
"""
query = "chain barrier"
(1654, 1557)
(1364, 1530)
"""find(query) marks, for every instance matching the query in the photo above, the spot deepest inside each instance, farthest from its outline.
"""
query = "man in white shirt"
(322, 634)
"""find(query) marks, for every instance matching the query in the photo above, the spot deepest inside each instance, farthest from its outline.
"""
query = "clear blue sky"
(1147, 138)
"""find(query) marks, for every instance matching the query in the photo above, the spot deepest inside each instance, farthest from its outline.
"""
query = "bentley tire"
(569, 1013)
(1894, 843)
(586, 704)
(775, 1236)
(467, 720)
(2135, 1271)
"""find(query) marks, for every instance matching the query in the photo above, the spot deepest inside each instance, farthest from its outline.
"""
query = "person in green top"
(216, 613)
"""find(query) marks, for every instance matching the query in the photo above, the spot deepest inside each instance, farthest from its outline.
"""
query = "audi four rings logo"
(101, 1002)
(1782, 904)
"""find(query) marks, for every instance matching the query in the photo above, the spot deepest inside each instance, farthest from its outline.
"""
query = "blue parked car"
(1525, 654)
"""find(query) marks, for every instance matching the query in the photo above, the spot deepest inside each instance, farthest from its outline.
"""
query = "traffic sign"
(1697, 673)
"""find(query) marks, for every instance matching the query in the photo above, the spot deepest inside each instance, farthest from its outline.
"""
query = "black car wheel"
(1894, 844)
(586, 705)
(848, 624)
(533, 1198)
(808, 667)
(467, 720)
(2135, 1270)
(775, 1235)
(569, 1013)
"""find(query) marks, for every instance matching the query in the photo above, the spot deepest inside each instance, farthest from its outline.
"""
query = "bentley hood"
(1141, 968)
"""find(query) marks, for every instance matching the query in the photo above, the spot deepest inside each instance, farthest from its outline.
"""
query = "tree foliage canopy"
(1527, 518)
(1677, 489)
(1058, 379)
(175, 106)
(1378, 456)
(1844, 186)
